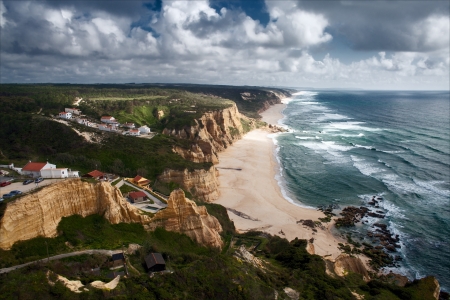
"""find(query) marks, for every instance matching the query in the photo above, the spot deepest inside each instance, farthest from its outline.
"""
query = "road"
(59, 256)
(25, 188)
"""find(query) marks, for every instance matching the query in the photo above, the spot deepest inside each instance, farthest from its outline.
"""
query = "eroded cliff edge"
(39, 213)
(183, 215)
(211, 133)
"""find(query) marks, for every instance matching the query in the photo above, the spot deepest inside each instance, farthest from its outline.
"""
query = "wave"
(354, 126)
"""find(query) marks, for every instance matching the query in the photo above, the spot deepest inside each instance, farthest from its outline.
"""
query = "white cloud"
(191, 42)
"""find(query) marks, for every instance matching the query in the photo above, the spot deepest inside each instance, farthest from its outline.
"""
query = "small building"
(129, 125)
(108, 120)
(65, 115)
(155, 262)
(108, 127)
(74, 111)
(141, 181)
(73, 173)
(144, 129)
(95, 174)
(85, 122)
(117, 260)
(34, 168)
(55, 173)
(136, 197)
(134, 132)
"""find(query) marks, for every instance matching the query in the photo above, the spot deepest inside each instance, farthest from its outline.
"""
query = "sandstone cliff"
(212, 133)
(183, 215)
(345, 263)
(38, 214)
(200, 183)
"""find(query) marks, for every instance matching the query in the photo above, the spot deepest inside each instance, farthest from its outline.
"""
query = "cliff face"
(38, 214)
(201, 183)
(212, 133)
(345, 263)
(183, 215)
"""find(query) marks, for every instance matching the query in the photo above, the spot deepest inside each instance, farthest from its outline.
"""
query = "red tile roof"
(33, 166)
(94, 173)
(137, 178)
(135, 195)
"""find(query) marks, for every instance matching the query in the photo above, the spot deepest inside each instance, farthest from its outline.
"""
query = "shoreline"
(255, 192)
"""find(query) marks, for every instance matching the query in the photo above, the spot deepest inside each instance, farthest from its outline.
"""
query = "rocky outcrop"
(211, 133)
(200, 183)
(242, 254)
(38, 214)
(184, 216)
(345, 263)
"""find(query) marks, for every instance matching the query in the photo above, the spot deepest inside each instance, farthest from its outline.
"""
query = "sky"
(364, 44)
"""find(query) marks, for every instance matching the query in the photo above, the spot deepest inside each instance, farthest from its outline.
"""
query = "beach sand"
(254, 191)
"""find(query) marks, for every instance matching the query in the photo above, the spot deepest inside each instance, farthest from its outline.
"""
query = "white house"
(65, 115)
(109, 120)
(144, 129)
(55, 173)
(108, 127)
(134, 132)
(129, 125)
(34, 168)
(85, 122)
(74, 111)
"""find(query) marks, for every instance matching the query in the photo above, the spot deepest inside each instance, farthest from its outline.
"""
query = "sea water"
(344, 147)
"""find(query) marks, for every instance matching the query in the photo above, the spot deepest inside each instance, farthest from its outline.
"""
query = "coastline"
(253, 192)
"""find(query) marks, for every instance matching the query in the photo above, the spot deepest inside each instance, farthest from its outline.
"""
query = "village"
(107, 123)
(16, 181)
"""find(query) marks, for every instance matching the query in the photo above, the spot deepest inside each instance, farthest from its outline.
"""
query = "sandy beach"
(254, 191)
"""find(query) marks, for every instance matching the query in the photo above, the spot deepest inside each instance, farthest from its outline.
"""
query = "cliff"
(211, 133)
(201, 183)
(184, 216)
(345, 263)
(38, 214)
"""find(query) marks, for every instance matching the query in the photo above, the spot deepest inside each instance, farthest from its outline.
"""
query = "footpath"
(59, 256)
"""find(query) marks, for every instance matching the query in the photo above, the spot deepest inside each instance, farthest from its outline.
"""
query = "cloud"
(190, 41)
(419, 26)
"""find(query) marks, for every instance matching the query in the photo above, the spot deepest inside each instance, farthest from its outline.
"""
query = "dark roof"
(154, 259)
(118, 256)
(33, 166)
(135, 195)
(94, 174)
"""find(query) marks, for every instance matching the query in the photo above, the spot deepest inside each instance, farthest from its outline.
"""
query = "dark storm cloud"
(385, 25)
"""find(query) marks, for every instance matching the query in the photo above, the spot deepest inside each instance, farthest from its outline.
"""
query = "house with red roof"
(74, 111)
(108, 120)
(134, 132)
(95, 174)
(141, 181)
(65, 115)
(34, 168)
(137, 196)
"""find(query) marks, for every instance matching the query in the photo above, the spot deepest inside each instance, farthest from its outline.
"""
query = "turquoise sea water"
(344, 147)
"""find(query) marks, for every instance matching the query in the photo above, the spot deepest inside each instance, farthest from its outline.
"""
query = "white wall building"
(65, 115)
(144, 129)
(74, 111)
(109, 120)
(55, 173)
(108, 127)
(34, 168)
(134, 132)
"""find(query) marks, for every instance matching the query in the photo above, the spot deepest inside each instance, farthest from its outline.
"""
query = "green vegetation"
(127, 189)
(197, 272)
(92, 232)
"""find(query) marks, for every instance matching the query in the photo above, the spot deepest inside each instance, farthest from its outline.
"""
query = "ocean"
(345, 147)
